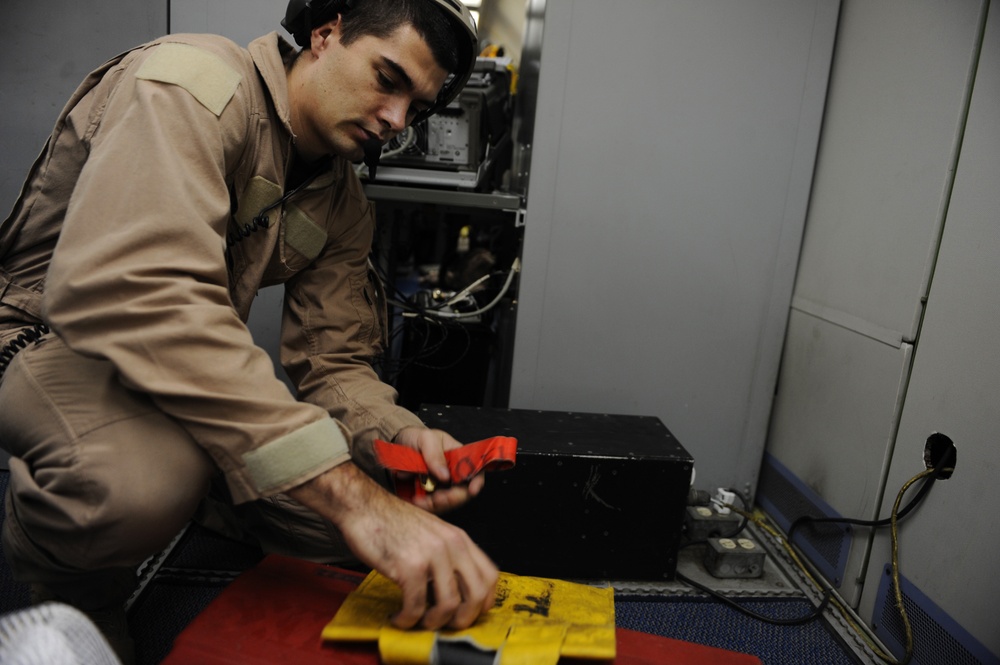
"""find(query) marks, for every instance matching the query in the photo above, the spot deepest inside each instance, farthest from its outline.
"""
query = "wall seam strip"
(893, 338)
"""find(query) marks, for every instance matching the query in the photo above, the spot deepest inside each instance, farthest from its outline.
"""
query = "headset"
(299, 22)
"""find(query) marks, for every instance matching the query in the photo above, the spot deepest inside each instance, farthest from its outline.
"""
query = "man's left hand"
(432, 444)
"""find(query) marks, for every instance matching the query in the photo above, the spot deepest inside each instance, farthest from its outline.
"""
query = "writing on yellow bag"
(534, 621)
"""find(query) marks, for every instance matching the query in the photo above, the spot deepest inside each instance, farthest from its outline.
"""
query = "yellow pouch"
(534, 621)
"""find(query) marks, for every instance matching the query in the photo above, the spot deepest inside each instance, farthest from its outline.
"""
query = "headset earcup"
(296, 21)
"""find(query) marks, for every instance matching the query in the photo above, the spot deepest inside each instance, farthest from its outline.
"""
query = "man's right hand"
(410, 546)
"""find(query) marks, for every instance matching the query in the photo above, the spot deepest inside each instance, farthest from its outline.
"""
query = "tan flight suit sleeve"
(334, 326)
(139, 276)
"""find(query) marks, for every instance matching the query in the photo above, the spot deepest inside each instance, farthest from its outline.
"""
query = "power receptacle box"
(734, 558)
(703, 522)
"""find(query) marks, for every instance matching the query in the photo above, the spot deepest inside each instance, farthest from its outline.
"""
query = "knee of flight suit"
(142, 520)
(92, 518)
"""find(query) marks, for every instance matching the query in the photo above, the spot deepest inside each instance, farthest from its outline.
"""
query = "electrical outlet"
(937, 447)
(734, 558)
(702, 522)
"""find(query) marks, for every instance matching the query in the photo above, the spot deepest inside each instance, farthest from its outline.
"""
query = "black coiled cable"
(261, 221)
(19, 343)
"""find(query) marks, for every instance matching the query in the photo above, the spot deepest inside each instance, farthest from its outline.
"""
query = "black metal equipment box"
(590, 497)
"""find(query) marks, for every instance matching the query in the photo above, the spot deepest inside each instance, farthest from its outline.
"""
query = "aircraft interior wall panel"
(838, 397)
(948, 549)
(668, 191)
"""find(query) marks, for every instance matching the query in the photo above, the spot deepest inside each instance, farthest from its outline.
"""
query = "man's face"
(371, 88)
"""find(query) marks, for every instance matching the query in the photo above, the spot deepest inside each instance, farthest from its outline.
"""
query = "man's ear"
(321, 36)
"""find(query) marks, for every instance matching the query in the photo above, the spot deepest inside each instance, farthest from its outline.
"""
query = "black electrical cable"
(394, 368)
(797, 621)
(419, 313)
(467, 338)
(432, 315)
(811, 616)
(946, 462)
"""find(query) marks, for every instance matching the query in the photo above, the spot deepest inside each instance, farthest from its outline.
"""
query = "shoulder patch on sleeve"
(205, 75)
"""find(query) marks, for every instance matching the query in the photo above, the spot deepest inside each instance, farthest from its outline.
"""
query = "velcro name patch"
(304, 235)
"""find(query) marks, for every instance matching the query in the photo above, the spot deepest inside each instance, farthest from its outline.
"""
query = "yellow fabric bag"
(534, 621)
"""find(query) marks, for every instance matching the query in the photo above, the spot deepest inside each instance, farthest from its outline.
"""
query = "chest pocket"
(302, 239)
(245, 231)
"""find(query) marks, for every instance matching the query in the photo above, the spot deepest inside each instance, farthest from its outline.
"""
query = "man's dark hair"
(380, 18)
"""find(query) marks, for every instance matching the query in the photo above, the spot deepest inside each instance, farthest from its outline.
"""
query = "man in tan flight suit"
(181, 178)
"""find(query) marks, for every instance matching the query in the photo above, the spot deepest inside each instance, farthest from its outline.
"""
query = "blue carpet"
(713, 624)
